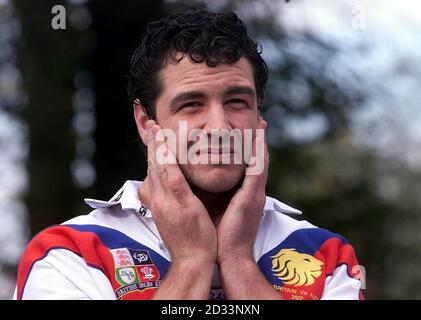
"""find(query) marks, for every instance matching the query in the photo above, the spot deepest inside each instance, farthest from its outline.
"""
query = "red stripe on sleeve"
(334, 254)
(85, 244)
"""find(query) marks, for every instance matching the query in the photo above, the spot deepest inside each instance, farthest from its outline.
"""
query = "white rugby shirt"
(116, 252)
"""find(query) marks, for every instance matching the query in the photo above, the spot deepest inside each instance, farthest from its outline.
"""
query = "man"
(193, 229)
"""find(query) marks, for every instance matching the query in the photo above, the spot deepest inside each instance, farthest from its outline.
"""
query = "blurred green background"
(342, 104)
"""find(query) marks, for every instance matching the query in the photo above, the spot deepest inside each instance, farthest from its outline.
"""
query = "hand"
(181, 218)
(238, 227)
(237, 233)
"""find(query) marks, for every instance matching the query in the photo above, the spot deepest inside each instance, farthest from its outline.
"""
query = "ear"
(141, 118)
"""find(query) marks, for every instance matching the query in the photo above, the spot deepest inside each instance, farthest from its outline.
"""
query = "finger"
(257, 170)
(176, 181)
(263, 140)
(156, 172)
(266, 151)
(261, 146)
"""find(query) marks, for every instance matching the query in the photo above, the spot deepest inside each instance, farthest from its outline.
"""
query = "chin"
(214, 178)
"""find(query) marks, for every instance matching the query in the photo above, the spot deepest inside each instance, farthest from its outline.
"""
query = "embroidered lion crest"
(296, 269)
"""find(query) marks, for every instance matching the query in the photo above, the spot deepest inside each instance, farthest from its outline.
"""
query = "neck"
(215, 203)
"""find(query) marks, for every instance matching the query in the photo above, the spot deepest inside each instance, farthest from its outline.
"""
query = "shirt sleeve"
(48, 283)
(63, 275)
(342, 286)
(345, 277)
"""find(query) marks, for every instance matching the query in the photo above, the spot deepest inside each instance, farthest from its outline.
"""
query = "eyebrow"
(191, 95)
(240, 90)
(188, 95)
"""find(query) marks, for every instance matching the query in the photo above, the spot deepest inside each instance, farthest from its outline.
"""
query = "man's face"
(208, 98)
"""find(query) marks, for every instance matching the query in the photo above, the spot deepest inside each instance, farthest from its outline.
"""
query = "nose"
(217, 119)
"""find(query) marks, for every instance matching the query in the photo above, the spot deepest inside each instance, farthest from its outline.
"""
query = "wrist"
(187, 278)
(199, 265)
(242, 256)
(236, 263)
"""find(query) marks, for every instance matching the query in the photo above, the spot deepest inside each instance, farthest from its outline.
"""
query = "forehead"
(189, 75)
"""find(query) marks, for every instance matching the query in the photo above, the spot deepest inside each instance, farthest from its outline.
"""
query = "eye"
(237, 102)
(191, 104)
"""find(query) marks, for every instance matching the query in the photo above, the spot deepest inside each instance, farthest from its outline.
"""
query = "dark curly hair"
(208, 37)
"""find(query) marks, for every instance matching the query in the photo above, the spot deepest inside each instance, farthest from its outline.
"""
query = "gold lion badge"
(294, 268)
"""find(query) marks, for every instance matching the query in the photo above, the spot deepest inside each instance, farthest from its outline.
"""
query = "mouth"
(220, 151)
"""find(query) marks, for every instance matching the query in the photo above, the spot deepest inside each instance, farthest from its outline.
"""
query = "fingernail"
(149, 124)
(154, 129)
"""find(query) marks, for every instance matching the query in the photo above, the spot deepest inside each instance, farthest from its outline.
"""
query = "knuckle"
(156, 206)
(175, 183)
(160, 170)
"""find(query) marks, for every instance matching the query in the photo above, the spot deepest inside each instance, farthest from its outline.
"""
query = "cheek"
(175, 121)
(166, 121)
(245, 121)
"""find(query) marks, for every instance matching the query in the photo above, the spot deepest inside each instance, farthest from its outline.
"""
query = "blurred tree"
(117, 30)
(48, 59)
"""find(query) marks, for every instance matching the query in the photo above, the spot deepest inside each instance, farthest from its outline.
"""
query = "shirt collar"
(128, 197)
(275, 205)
